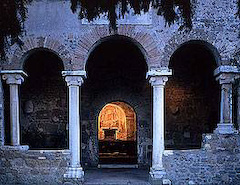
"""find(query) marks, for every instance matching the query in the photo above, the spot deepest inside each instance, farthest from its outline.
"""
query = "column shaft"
(226, 104)
(158, 126)
(74, 124)
(14, 115)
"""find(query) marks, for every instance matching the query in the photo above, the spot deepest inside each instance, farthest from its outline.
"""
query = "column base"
(156, 176)
(74, 173)
(17, 147)
(225, 128)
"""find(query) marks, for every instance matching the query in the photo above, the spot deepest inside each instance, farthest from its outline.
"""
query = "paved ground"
(116, 177)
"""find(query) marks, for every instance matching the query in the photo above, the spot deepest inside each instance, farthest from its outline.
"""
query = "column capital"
(226, 74)
(74, 78)
(159, 77)
(13, 76)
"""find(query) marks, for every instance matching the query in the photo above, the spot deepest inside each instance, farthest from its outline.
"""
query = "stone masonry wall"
(217, 162)
(32, 167)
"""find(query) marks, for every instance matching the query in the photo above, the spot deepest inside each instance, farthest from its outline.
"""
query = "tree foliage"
(12, 16)
(171, 10)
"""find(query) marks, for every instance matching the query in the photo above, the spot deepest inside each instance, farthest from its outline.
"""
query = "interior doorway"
(117, 134)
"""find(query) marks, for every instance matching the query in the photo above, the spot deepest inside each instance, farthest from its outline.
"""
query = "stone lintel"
(74, 78)
(74, 73)
(21, 72)
(227, 74)
(226, 69)
(159, 72)
(13, 76)
(158, 77)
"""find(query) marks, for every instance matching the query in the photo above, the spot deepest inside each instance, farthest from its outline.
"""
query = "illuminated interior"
(117, 134)
(117, 121)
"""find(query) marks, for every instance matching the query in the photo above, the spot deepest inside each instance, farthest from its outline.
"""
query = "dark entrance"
(116, 80)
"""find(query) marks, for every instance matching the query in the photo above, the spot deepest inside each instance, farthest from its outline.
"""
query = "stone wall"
(32, 167)
(217, 162)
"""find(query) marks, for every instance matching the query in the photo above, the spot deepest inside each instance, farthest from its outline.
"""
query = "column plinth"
(74, 81)
(225, 75)
(158, 80)
(14, 79)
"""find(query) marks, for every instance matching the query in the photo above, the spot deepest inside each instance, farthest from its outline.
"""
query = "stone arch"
(31, 44)
(198, 37)
(143, 40)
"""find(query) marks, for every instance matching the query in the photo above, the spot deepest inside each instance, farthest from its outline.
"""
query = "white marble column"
(14, 78)
(225, 75)
(74, 81)
(158, 80)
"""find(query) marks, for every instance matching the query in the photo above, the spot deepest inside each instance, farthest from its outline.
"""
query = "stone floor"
(116, 177)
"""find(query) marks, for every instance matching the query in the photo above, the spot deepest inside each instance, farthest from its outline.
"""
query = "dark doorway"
(44, 102)
(192, 96)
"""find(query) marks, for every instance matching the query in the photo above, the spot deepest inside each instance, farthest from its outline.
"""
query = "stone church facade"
(179, 88)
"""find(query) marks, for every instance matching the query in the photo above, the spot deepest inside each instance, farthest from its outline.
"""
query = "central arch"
(116, 74)
(117, 134)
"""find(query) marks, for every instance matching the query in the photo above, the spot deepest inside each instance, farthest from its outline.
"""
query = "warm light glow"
(117, 121)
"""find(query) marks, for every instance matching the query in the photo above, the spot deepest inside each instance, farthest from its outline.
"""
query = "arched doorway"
(44, 102)
(116, 72)
(117, 134)
(192, 96)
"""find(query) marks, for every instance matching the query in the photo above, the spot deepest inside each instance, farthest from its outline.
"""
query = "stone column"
(74, 81)
(14, 78)
(158, 80)
(225, 75)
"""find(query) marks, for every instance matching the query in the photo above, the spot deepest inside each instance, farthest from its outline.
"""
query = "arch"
(200, 37)
(211, 49)
(192, 94)
(127, 130)
(36, 50)
(44, 102)
(31, 44)
(117, 133)
(143, 40)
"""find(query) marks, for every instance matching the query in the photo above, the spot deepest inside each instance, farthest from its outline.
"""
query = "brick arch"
(30, 44)
(200, 37)
(145, 41)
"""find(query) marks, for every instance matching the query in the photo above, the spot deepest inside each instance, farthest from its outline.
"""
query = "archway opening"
(117, 134)
(192, 96)
(44, 102)
(116, 72)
